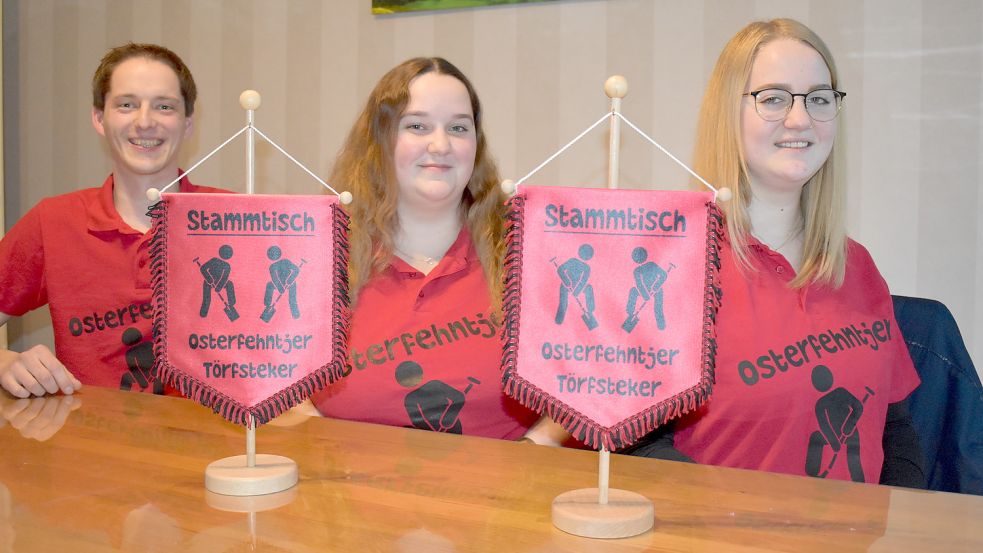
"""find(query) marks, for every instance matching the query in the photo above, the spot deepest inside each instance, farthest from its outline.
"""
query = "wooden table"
(125, 473)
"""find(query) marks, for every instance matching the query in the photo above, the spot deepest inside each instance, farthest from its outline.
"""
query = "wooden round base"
(625, 514)
(250, 503)
(231, 476)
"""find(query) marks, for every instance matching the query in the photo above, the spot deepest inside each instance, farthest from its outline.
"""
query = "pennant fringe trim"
(632, 429)
(205, 394)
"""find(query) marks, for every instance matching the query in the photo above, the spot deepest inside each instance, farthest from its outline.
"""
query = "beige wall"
(3, 329)
(911, 127)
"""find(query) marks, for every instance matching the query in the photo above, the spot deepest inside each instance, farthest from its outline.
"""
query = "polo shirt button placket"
(142, 277)
(420, 299)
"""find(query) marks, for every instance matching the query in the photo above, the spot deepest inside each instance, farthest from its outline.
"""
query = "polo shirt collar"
(102, 214)
(458, 257)
(758, 245)
(461, 252)
(766, 255)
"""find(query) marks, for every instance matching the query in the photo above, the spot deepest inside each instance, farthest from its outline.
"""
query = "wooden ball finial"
(153, 194)
(345, 197)
(250, 99)
(508, 186)
(616, 87)
(724, 194)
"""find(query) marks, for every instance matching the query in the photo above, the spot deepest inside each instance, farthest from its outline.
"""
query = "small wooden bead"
(250, 99)
(616, 87)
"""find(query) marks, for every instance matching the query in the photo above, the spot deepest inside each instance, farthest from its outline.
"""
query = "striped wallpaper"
(911, 126)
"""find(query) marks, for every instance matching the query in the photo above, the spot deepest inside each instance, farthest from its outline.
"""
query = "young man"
(84, 253)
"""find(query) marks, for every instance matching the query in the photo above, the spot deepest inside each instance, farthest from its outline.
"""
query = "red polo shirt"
(803, 377)
(75, 253)
(425, 353)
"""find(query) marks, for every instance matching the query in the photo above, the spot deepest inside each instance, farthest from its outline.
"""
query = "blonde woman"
(812, 372)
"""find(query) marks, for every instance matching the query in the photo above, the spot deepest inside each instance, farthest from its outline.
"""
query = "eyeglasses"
(773, 104)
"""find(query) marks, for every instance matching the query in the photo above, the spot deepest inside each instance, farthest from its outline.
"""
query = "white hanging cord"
(659, 146)
(291, 158)
(616, 87)
(204, 159)
(250, 100)
(563, 149)
(574, 141)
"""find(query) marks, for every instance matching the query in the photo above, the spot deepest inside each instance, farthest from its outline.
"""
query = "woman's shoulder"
(858, 256)
(861, 270)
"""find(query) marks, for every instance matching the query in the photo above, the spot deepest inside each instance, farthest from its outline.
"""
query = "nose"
(439, 144)
(145, 118)
(798, 117)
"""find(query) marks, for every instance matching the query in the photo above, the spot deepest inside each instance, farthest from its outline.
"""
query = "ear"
(97, 115)
(189, 125)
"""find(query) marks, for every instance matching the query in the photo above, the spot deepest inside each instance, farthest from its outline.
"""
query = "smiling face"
(783, 155)
(143, 121)
(436, 142)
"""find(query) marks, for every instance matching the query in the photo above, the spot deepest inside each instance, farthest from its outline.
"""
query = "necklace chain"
(789, 238)
(421, 258)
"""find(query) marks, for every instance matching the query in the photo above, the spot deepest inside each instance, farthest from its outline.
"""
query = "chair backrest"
(947, 408)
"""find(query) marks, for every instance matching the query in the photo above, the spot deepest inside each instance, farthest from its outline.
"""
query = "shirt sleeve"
(903, 376)
(22, 282)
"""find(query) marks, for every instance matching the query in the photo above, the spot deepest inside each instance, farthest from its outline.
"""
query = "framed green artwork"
(381, 7)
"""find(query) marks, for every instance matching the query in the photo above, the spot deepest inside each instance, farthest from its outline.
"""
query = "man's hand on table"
(37, 418)
(35, 372)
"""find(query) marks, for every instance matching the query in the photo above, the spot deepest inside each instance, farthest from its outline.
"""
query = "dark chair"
(947, 408)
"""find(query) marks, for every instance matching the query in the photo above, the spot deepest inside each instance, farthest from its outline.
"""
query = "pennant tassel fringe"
(200, 392)
(630, 430)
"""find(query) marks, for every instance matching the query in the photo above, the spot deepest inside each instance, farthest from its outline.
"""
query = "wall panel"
(910, 146)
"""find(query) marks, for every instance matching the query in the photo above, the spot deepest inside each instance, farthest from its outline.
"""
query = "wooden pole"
(250, 101)
(250, 474)
(616, 87)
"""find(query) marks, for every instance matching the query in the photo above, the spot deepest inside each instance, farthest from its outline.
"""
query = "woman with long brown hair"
(426, 260)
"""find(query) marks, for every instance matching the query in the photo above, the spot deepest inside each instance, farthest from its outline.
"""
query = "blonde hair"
(364, 167)
(719, 156)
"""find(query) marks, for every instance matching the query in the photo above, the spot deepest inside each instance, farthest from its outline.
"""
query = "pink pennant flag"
(250, 297)
(609, 307)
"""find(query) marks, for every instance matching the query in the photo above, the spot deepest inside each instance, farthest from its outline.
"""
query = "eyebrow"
(788, 87)
(426, 114)
(134, 96)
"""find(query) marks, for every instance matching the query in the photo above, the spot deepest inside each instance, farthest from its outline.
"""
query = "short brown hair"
(119, 54)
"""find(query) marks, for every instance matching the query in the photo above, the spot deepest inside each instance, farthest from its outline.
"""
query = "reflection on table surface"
(125, 472)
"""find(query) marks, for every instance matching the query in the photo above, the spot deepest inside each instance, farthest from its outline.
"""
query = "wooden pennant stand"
(250, 474)
(602, 512)
(250, 505)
